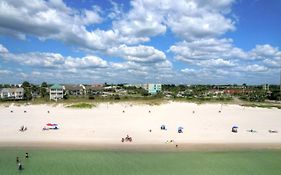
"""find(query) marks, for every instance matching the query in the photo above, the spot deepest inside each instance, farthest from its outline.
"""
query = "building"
(56, 92)
(237, 91)
(95, 89)
(75, 89)
(134, 85)
(12, 93)
(265, 87)
(152, 88)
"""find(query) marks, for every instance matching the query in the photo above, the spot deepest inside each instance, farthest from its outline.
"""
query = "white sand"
(107, 124)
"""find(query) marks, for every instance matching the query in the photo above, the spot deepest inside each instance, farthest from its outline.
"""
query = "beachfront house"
(75, 89)
(56, 92)
(153, 88)
(95, 89)
(12, 93)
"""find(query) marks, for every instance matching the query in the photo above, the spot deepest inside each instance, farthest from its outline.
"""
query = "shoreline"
(187, 147)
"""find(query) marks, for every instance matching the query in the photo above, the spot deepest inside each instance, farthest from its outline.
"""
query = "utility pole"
(280, 85)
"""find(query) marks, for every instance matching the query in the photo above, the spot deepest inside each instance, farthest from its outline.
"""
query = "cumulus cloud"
(222, 53)
(197, 24)
(3, 49)
(201, 19)
(214, 63)
(140, 21)
(91, 67)
(254, 68)
(5, 72)
(139, 53)
(54, 20)
(189, 71)
(265, 51)
(204, 49)
(51, 20)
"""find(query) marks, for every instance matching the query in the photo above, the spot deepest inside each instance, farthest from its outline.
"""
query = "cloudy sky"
(137, 41)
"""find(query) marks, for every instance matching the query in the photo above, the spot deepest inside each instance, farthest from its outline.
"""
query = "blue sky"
(138, 41)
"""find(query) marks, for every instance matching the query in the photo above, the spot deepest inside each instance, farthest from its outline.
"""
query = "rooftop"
(56, 86)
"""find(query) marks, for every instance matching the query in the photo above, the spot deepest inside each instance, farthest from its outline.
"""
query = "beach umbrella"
(234, 126)
(49, 124)
(180, 128)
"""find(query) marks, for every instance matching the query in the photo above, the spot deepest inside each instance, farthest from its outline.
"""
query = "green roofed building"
(56, 92)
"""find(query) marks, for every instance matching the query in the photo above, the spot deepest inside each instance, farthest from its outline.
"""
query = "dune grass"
(81, 105)
(67, 162)
(262, 105)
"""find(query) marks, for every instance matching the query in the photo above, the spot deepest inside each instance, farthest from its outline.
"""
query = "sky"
(140, 41)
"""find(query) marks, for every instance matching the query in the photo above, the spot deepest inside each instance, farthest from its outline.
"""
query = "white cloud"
(3, 49)
(198, 25)
(140, 22)
(85, 62)
(189, 71)
(146, 18)
(139, 53)
(5, 72)
(254, 68)
(190, 20)
(204, 49)
(51, 20)
(214, 63)
(266, 51)
(54, 60)
(272, 63)
(45, 65)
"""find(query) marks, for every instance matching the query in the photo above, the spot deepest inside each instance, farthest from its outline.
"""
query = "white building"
(152, 88)
(12, 93)
(56, 92)
(74, 89)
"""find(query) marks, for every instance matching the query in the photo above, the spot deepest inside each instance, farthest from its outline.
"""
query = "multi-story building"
(56, 92)
(12, 93)
(152, 88)
(75, 89)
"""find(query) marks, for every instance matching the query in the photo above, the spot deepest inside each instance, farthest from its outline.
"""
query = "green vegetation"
(254, 95)
(67, 162)
(262, 105)
(81, 105)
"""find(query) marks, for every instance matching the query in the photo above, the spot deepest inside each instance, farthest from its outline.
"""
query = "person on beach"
(20, 167)
(26, 156)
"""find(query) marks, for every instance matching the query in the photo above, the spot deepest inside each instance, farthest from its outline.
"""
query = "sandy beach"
(105, 125)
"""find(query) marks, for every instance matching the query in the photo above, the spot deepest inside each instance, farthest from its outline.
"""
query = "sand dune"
(107, 124)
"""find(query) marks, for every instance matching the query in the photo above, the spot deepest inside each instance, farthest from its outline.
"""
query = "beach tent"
(234, 129)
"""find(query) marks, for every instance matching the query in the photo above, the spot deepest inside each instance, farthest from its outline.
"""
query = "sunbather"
(272, 131)
(251, 130)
